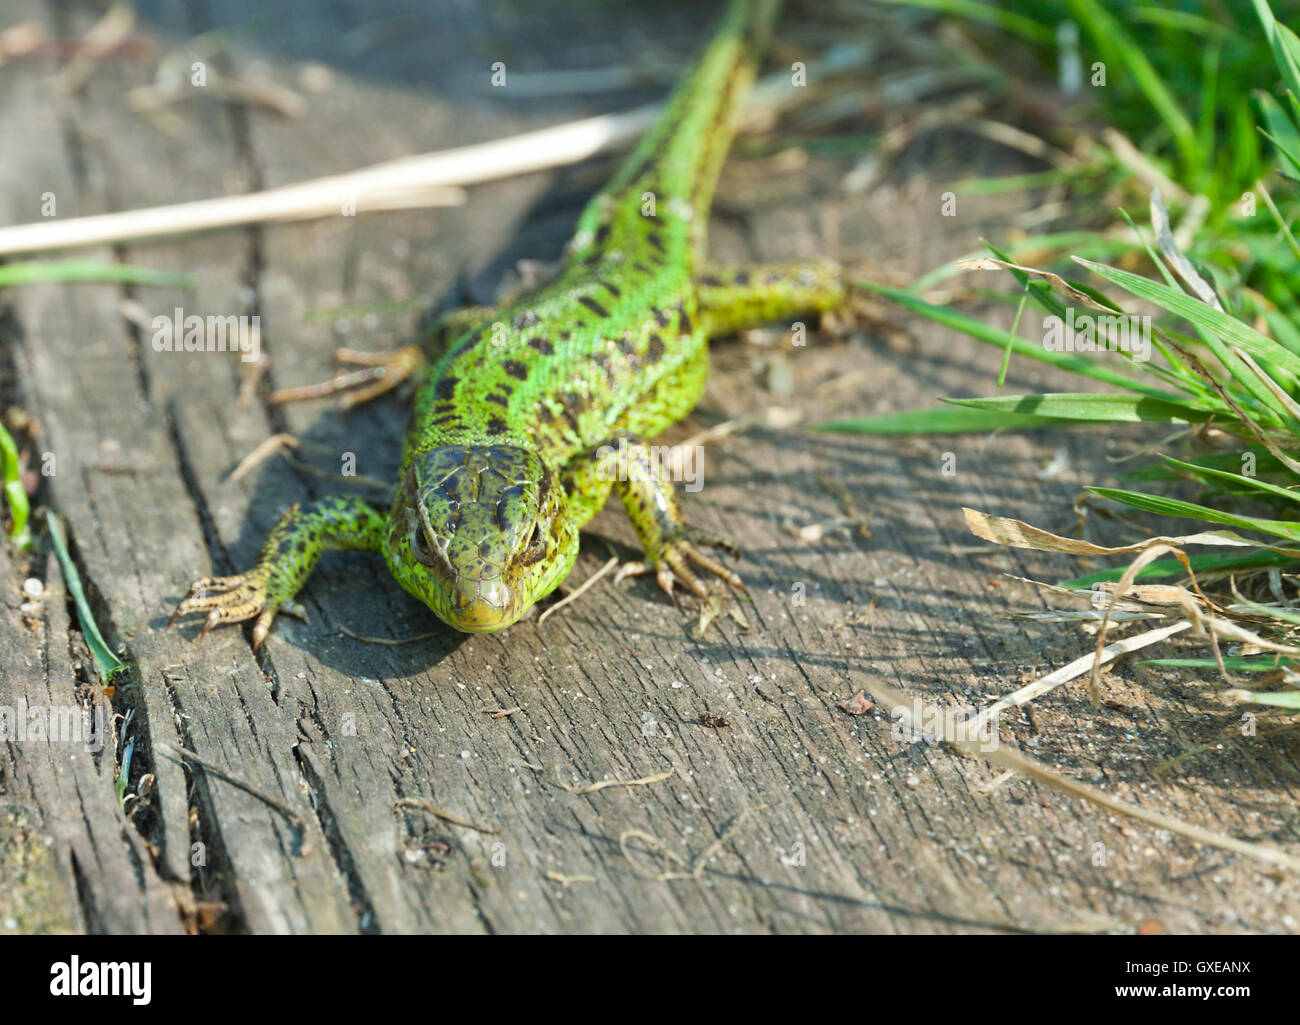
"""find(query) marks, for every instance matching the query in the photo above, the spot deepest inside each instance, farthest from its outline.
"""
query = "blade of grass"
(944, 420)
(1162, 569)
(1263, 664)
(107, 664)
(989, 335)
(1012, 338)
(1091, 408)
(1276, 698)
(1122, 51)
(1286, 47)
(1162, 506)
(32, 272)
(990, 14)
(1199, 314)
(20, 536)
(1253, 483)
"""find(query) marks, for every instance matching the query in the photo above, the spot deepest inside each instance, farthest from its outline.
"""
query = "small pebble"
(315, 78)
(33, 587)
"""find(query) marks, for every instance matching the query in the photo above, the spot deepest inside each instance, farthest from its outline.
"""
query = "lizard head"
(479, 533)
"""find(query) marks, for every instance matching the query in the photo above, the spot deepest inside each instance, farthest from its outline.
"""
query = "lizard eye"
(419, 548)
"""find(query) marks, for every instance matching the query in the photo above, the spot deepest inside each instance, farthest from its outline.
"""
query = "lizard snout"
(479, 606)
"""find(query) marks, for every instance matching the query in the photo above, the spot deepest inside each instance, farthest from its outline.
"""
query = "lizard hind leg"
(381, 372)
(732, 298)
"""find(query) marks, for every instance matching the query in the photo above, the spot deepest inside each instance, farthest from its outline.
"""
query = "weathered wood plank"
(857, 829)
(69, 859)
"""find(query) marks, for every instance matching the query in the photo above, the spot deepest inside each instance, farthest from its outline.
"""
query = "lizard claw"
(676, 559)
(233, 600)
(381, 372)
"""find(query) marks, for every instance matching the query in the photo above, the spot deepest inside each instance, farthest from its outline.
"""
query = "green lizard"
(517, 424)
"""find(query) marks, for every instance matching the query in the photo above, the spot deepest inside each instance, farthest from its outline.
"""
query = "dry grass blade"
(1143, 169)
(390, 641)
(103, 38)
(696, 868)
(1074, 670)
(1146, 556)
(1055, 280)
(298, 822)
(446, 816)
(429, 179)
(1266, 379)
(592, 788)
(275, 443)
(1012, 533)
(1015, 761)
(1171, 252)
(582, 589)
(1231, 631)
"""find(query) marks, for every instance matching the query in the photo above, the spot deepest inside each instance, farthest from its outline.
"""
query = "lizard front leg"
(632, 467)
(732, 298)
(383, 371)
(286, 560)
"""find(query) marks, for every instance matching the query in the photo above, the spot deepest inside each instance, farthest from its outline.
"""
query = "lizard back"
(561, 367)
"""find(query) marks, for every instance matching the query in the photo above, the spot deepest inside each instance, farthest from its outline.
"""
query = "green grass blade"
(1262, 664)
(106, 663)
(124, 773)
(1012, 338)
(20, 536)
(1124, 55)
(1286, 48)
(1201, 315)
(1281, 129)
(989, 335)
(32, 272)
(1091, 408)
(944, 420)
(1265, 463)
(1163, 506)
(1282, 225)
(1252, 483)
(990, 14)
(1163, 569)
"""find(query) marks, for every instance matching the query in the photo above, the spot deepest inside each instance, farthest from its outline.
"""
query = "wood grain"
(829, 823)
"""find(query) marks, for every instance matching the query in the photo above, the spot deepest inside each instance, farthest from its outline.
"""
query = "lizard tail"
(680, 157)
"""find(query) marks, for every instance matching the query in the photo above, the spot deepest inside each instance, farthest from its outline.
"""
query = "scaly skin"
(508, 453)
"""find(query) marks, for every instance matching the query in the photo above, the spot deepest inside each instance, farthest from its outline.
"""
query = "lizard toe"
(227, 600)
(381, 372)
(677, 562)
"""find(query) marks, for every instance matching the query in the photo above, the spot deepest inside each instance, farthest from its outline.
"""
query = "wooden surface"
(828, 823)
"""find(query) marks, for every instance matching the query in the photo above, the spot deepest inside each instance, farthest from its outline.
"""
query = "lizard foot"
(676, 558)
(380, 373)
(233, 600)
